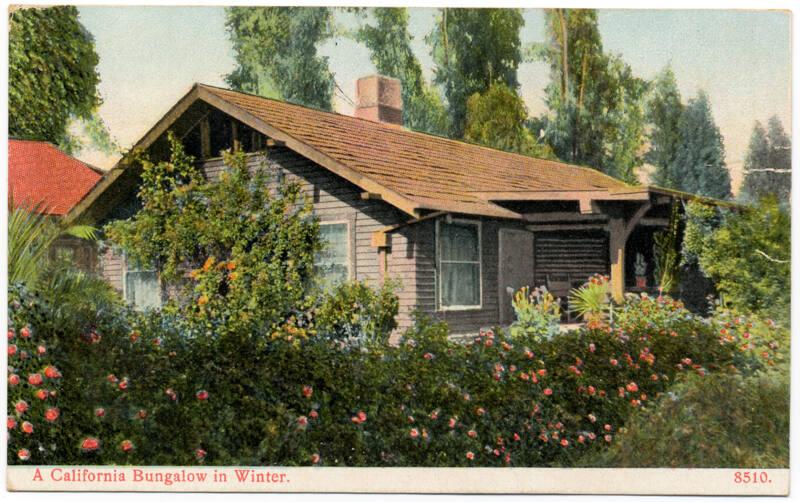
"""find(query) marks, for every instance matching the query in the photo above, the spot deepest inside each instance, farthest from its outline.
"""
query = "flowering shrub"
(536, 312)
(356, 313)
(147, 389)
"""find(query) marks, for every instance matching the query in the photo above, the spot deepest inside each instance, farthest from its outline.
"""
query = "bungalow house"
(459, 224)
(44, 179)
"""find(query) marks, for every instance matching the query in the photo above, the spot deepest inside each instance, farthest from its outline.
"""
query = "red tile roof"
(40, 173)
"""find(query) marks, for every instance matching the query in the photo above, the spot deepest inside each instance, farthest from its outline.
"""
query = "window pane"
(458, 242)
(460, 284)
(142, 289)
(332, 261)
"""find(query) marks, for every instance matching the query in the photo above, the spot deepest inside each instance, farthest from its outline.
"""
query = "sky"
(150, 57)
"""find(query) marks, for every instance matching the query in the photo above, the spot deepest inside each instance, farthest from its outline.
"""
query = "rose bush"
(145, 389)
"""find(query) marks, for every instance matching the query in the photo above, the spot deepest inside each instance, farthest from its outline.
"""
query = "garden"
(251, 362)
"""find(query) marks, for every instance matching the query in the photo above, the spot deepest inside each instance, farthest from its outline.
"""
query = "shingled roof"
(42, 176)
(411, 170)
(434, 172)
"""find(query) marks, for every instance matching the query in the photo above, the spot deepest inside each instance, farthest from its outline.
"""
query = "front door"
(515, 269)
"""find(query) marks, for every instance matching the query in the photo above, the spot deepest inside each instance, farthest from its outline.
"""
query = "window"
(459, 256)
(333, 262)
(142, 288)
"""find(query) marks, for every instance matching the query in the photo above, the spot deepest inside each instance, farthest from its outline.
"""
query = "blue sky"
(150, 56)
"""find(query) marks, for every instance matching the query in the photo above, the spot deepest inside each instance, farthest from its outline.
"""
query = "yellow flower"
(208, 264)
(232, 276)
(202, 300)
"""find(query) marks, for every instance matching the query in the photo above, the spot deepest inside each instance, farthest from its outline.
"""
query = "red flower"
(11, 423)
(35, 379)
(591, 347)
(126, 445)
(607, 437)
(123, 385)
(434, 415)
(13, 379)
(480, 412)
(99, 412)
(41, 349)
(21, 407)
(592, 418)
(362, 417)
(10, 334)
(26, 332)
(428, 356)
(516, 437)
(171, 394)
(302, 421)
(410, 419)
(111, 378)
(414, 433)
(564, 442)
(24, 454)
(308, 391)
(90, 444)
(52, 414)
(12, 349)
(613, 362)
(202, 395)
(27, 427)
(591, 390)
(542, 372)
(134, 336)
(607, 427)
(315, 458)
(632, 387)
(452, 423)
(548, 392)
(528, 354)
(200, 454)
(142, 414)
(472, 434)
(488, 342)
(581, 439)
(52, 372)
(313, 414)
(470, 455)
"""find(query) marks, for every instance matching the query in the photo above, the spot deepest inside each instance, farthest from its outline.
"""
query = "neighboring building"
(44, 179)
(459, 224)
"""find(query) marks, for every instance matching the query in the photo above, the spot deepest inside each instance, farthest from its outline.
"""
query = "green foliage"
(667, 253)
(356, 314)
(596, 105)
(276, 53)
(592, 301)
(768, 165)
(701, 222)
(713, 421)
(664, 112)
(389, 43)
(699, 165)
(537, 314)
(30, 240)
(52, 74)
(473, 49)
(748, 257)
(182, 399)
(497, 119)
(239, 255)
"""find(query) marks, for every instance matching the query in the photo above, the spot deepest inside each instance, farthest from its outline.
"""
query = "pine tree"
(664, 114)
(699, 165)
(779, 161)
(756, 179)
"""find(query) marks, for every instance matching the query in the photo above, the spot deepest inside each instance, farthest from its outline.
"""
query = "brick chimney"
(379, 99)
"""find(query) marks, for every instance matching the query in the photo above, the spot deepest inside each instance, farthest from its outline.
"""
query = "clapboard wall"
(576, 253)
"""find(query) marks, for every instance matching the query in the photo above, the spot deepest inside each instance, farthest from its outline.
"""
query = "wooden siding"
(577, 253)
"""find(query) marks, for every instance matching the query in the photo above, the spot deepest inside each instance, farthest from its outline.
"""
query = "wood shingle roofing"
(434, 172)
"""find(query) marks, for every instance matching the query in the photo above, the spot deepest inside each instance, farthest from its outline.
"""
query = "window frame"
(125, 272)
(348, 238)
(440, 284)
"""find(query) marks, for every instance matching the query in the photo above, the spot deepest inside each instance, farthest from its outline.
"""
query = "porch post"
(616, 244)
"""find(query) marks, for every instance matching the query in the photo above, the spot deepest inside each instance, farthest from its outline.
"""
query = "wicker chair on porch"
(560, 285)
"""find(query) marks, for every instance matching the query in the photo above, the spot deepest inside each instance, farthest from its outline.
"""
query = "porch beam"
(565, 216)
(619, 229)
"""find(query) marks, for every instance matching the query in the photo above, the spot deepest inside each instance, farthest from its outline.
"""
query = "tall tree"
(498, 118)
(699, 165)
(52, 75)
(276, 53)
(596, 111)
(768, 165)
(472, 49)
(389, 42)
(664, 112)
